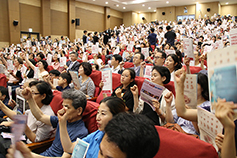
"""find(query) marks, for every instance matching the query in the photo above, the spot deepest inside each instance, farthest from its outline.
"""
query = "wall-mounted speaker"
(77, 22)
(143, 18)
(108, 16)
(15, 22)
(208, 9)
(73, 21)
(163, 13)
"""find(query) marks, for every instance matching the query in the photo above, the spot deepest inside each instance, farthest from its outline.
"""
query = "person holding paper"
(202, 97)
(87, 85)
(198, 56)
(109, 107)
(225, 113)
(127, 80)
(173, 64)
(42, 95)
(29, 72)
(74, 104)
(42, 65)
(160, 76)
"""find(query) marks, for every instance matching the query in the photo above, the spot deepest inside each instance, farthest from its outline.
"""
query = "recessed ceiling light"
(124, 7)
(143, 5)
(167, 2)
(226, 3)
(139, 12)
(106, 2)
(117, 5)
(149, 7)
(154, 10)
(93, 0)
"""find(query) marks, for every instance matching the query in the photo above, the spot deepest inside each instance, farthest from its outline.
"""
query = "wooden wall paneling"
(59, 23)
(4, 23)
(36, 3)
(30, 17)
(90, 20)
(114, 21)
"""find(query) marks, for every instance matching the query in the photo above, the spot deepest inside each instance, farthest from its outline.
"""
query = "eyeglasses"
(34, 93)
(157, 57)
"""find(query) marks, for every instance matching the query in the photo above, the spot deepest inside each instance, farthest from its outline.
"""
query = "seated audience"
(73, 64)
(127, 80)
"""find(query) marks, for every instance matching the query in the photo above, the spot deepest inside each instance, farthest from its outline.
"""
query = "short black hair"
(118, 57)
(55, 72)
(44, 63)
(134, 134)
(152, 29)
(87, 68)
(163, 53)
(97, 67)
(66, 76)
(4, 91)
(141, 55)
(168, 27)
(85, 31)
(43, 88)
(161, 27)
(163, 71)
(41, 55)
(32, 61)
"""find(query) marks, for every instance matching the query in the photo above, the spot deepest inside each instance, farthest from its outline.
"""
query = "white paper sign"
(75, 79)
(63, 61)
(49, 59)
(145, 52)
(188, 47)
(116, 50)
(168, 52)
(36, 73)
(107, 79)
(209, 126)
(130, 47)
(148, 71)
(55, 82)
(233, 37)
(2, 69)
(94, 50)
(10, 65)
(190, 90)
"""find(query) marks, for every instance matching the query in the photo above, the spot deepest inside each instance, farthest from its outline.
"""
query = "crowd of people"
(26, 68)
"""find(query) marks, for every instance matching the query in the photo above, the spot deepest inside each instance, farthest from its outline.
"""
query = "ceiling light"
(149, 7)
(167, 2)
(117, 5)
(143, 5)
(139, 12)
(93, 0)
(124, 7)
(226, 3)
(154, 10)
(106, 2)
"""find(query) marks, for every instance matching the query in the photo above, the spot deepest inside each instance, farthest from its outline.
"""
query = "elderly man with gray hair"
(74, 104)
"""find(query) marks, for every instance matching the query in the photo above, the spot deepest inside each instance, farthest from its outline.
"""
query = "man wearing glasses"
(159, 58)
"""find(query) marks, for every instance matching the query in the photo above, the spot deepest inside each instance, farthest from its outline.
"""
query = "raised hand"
(180, 76)
(27, 93)
(134, 90)
(118, 92)
(168, 98)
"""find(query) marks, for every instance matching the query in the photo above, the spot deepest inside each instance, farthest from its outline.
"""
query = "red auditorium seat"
(56, 103)
(193, 69)
(89, 116)
(3, 80)
(128, 65)
(170, 86)
(49, 68)
(179, 145)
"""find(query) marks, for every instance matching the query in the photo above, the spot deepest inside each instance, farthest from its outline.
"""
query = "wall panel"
(4, 23)
(59, 23)
(114, 21)
(229, 9)
(90, 20)
(30, 17)
(59, 5)
(36, 3)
